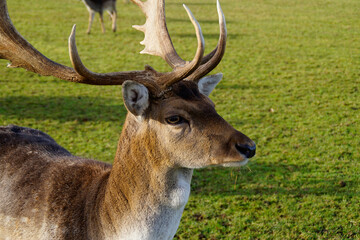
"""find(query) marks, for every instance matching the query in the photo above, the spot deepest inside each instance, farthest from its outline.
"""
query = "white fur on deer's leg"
(91, 19)
(113, 18)
(102, 22)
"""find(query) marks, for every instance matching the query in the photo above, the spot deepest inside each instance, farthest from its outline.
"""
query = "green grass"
(291, 83)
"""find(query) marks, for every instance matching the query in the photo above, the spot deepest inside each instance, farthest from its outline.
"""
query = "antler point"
(139, 27)
(72, 34)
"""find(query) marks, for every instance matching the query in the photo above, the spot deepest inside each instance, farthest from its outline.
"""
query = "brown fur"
(44, 182)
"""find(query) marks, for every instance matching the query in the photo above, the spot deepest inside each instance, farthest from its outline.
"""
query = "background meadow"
(291, 83)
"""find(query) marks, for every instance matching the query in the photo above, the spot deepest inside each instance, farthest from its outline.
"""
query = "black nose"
(248, 151)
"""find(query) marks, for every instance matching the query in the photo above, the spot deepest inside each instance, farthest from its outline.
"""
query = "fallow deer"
(99, 6)
(171, 128)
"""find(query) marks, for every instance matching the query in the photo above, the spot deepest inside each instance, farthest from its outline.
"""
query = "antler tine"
(145, 77)
(211, 60)
(157, 41)
(75, 58)
(181, 72)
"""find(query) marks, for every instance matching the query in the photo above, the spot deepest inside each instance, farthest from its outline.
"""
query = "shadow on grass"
(270, 179)
(201, 21)
(235, 86)
(206, 36)
(192, 3)
(62, 109)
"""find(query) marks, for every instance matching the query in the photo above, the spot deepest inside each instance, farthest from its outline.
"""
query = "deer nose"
(245, 149)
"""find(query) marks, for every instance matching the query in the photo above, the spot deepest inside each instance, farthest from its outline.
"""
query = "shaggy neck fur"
(152, 194)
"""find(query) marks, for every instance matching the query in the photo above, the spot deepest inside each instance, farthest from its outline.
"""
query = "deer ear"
(207, 84)
(136, 97)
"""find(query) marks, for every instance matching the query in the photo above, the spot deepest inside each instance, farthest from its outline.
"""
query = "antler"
(210, 61)
(157, 42)
(22, 54)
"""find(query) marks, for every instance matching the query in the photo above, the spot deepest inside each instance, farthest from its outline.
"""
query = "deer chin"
(235, 164)
(231, 162)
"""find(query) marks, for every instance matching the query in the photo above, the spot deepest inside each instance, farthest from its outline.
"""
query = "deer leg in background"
(91, 19)
(102, 22)
(113, 16)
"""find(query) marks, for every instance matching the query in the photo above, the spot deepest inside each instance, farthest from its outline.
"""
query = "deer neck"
(145, 196)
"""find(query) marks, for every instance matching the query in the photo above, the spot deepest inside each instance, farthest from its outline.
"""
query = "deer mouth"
(246, 152)
(235, 164)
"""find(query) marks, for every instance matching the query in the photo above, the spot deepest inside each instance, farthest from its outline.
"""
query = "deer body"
(99, 6)
(33, 167)
(96, 203)
(171, 128)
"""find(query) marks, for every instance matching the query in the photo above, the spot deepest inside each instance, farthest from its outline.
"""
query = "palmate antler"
(157, 42)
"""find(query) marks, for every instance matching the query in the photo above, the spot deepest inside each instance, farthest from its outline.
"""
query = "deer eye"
(174, 120)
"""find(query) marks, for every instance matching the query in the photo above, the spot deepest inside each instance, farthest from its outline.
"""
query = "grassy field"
(291, 83)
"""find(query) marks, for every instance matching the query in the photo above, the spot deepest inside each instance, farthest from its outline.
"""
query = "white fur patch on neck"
(179, 195)
(158, 221)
